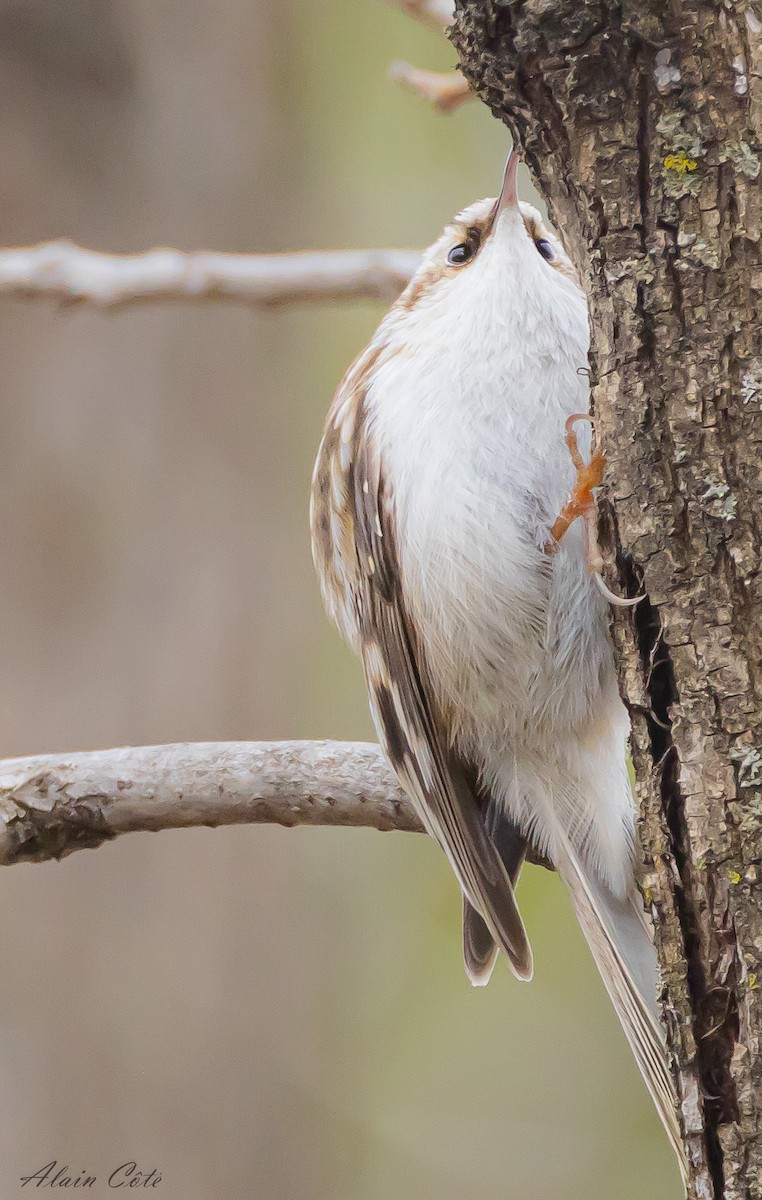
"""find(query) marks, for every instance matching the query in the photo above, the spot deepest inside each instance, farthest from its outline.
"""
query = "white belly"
(515, 641)
(509, 633)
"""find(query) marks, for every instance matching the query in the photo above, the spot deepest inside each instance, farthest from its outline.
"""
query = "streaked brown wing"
(479, 948)
(404, 713)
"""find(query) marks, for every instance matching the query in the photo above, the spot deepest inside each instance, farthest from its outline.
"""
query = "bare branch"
(57, 803)
(63, 271)
(445, 92)
(436, 14)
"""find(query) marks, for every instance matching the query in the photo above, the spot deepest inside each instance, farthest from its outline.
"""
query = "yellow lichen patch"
(680, 162)
(753, 985)
(734, 877)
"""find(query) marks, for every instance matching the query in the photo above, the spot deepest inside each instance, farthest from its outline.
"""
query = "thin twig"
(57, 803)
(436, 14)
(444, 91)
(63, 271)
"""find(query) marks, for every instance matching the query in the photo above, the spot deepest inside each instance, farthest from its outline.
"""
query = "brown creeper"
(438, 507)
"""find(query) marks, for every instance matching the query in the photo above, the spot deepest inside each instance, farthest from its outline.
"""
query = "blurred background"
(254, 1012)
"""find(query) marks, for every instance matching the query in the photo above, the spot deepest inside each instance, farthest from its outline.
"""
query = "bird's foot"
(582, 503)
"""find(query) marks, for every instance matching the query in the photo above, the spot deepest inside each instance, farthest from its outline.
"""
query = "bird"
(456, 456)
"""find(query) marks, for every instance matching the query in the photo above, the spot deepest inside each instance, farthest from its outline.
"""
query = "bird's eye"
(545, 248)
(461, 254)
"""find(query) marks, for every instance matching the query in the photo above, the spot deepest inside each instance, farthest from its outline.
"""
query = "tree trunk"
(642, 123)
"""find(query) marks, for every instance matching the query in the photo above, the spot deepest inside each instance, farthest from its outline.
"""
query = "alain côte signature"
(126, 1175)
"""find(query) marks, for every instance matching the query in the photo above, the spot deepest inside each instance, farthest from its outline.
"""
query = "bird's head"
(497, 253)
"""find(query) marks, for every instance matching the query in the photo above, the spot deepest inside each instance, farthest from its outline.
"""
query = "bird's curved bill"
(509, 197)
(508, 200)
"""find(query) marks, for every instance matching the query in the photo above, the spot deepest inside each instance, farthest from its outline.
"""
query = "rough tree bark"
(642, 124)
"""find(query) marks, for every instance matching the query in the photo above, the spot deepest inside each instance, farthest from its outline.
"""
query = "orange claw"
(589, 476)
(582, 504)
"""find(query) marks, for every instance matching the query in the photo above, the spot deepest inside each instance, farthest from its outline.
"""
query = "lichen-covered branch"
(68, 273)
(57, 803)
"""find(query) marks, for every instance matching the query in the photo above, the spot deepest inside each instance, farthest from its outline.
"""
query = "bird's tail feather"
(620, 941)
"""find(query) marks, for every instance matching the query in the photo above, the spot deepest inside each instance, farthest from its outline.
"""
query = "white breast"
(470, 420)
(471, 425)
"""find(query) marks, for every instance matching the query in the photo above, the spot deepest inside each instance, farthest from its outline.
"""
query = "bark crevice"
(714, 1007)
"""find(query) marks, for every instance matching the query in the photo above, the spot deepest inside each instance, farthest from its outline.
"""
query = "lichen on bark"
(642, 124)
